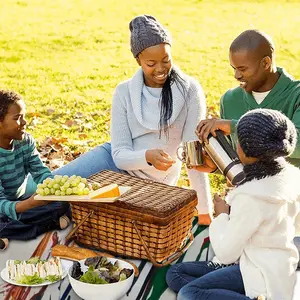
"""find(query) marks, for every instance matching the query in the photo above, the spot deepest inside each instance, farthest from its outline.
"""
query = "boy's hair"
(7, 98)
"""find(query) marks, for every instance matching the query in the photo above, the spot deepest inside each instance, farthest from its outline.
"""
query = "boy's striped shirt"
(15, 165)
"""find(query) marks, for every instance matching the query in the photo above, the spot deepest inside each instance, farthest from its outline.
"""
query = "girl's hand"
(159, 159)
(220, 205)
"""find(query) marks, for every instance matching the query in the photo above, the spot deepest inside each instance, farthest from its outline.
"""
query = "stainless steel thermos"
(226, 159)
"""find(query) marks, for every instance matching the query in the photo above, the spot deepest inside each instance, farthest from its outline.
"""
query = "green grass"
(69, 55)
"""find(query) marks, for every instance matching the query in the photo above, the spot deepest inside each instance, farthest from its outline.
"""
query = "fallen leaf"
(56, 163)
(88, 125)
(33, 114)
(34, 121)
(79, 115)
(50, 111)
(82, 136)
(70, 123)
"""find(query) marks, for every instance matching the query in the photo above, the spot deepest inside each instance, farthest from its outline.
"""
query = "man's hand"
(220, 205)
(159, 159)
(205, 127)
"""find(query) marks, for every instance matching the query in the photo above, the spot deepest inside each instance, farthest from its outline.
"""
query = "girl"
(152, 114)
(259, 230)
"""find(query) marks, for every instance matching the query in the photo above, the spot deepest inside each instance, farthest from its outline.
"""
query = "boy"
(21, 217)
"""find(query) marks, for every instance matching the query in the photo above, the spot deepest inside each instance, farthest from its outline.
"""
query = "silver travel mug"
(192, 153)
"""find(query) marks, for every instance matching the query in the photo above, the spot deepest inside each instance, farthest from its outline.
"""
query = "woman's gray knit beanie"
(146, 31)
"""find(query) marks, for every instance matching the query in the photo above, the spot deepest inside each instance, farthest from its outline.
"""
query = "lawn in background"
(66, 57)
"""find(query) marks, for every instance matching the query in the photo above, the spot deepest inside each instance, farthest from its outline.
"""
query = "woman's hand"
(159, 159)
(220, 205)
(205, 127)
(208, 165)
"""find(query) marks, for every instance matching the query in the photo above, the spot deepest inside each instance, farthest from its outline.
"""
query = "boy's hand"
(220, 205)
(159, 159)
(30, 203)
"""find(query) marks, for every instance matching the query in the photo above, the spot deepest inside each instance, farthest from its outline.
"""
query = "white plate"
(123, 189)
(4, 275)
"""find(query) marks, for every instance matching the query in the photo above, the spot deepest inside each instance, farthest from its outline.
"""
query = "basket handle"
(172, 257)
(73, 231)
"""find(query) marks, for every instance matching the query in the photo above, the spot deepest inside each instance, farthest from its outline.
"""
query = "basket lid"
(146, 196)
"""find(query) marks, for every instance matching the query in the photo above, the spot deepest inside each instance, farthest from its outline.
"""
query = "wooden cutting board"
(85, 198)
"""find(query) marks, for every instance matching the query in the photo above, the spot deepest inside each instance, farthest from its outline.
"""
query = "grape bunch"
(63, 186)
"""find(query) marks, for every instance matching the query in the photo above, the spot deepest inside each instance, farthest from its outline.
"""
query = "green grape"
(57, 178)
(72, 177)
(40, 191)
(46, 191)
(50, 185)
(52, 191)
(57, 193)
(40, 186)
(56, 186)
(74, 183)
(95, 186)
(69, 191)
(81, 185)
(66, 185)
(65, 178)
(63, 188)
(74, 190)
(62, 193)
(84, 180)
(80, 192)
(86, 191)
(47, 180)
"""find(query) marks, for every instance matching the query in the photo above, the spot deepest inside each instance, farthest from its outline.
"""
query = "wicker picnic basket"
(150, 221)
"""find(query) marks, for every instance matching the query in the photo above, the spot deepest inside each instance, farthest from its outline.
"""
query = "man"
(262, 85)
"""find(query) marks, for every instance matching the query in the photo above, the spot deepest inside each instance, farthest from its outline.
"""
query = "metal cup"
(192, 153)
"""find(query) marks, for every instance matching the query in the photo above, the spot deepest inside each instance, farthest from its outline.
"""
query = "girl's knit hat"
(266, 133)
(146, 31)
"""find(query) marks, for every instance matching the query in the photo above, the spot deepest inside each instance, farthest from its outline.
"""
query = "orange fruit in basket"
(108, 191)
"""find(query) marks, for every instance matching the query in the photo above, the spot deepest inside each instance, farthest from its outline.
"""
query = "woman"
(152, 114)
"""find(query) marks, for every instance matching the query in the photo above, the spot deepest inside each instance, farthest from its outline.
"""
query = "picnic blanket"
(149, 285)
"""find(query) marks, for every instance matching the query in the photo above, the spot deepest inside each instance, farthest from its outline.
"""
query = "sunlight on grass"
(69, 55)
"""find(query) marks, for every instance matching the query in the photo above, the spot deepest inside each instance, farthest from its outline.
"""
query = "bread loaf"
(75, 253)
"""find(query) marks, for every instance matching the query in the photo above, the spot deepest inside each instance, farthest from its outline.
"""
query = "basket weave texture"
(150, 215)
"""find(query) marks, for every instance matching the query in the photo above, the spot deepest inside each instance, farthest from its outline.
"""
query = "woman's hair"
(166, 100)
(7, 98)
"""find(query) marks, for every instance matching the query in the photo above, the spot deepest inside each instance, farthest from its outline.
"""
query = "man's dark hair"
(254, 40)
(7, 98)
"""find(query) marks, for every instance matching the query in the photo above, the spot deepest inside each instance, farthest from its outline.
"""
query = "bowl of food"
(109, 277)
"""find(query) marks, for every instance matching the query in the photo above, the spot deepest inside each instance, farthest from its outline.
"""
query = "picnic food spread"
(76, 185)
(100, 271)
(34, 270)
